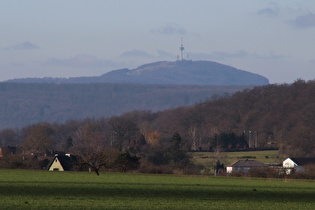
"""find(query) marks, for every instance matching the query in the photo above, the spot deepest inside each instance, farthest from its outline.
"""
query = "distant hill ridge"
(27, 103)
(167, 72)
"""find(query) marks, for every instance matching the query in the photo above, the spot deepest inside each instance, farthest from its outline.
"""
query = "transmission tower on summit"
(181, 51)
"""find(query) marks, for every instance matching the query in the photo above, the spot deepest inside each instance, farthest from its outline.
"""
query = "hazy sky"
(68, 38)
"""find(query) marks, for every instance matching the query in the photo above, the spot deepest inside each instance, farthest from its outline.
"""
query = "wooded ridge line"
(279, 115)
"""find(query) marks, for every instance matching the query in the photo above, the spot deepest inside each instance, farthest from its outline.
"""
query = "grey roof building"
(244, 166)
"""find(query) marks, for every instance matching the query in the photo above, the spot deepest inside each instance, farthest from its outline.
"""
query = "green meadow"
(28, 189)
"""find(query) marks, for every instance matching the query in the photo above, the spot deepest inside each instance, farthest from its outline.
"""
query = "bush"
(191, 169)
(237, 173)
(307, 173)
(148, 167)
(261, 172)
(258, 172)
(22, 162)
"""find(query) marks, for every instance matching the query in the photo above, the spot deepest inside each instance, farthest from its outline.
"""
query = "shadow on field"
(153, 191)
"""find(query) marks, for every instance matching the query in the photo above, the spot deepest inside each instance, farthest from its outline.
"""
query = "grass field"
(27, 189)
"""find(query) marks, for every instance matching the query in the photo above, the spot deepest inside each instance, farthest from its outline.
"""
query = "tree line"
(272, 116)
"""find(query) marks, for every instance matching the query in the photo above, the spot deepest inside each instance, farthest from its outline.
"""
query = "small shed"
(61, 163)
(244, 166)
(296, 164)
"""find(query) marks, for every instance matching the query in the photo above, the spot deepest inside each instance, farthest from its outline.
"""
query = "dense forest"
(272, 116)
(22, 104)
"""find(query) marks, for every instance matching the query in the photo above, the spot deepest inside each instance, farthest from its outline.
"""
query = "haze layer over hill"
(165, 72)
(23, 104)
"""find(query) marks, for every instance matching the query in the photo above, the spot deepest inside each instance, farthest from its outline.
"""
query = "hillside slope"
(270, 116)
(164, 72)
(22, 104)
(185, 72)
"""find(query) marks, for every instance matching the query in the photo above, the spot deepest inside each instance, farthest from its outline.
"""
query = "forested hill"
(274, 115)
(23, 103)
(164, 72)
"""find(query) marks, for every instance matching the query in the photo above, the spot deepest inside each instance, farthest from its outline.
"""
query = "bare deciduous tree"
(121, 131)
(38, 138)
(91, 148)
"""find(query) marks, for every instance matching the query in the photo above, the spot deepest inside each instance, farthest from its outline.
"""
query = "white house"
(296, 164)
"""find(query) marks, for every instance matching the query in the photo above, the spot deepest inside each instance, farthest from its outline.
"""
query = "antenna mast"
(181, 52)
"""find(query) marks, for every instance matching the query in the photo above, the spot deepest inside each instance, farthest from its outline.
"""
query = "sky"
(70, 38)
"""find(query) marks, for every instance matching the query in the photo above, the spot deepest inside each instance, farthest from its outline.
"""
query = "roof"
(247, 163)
(65, 161)
(303, 161)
